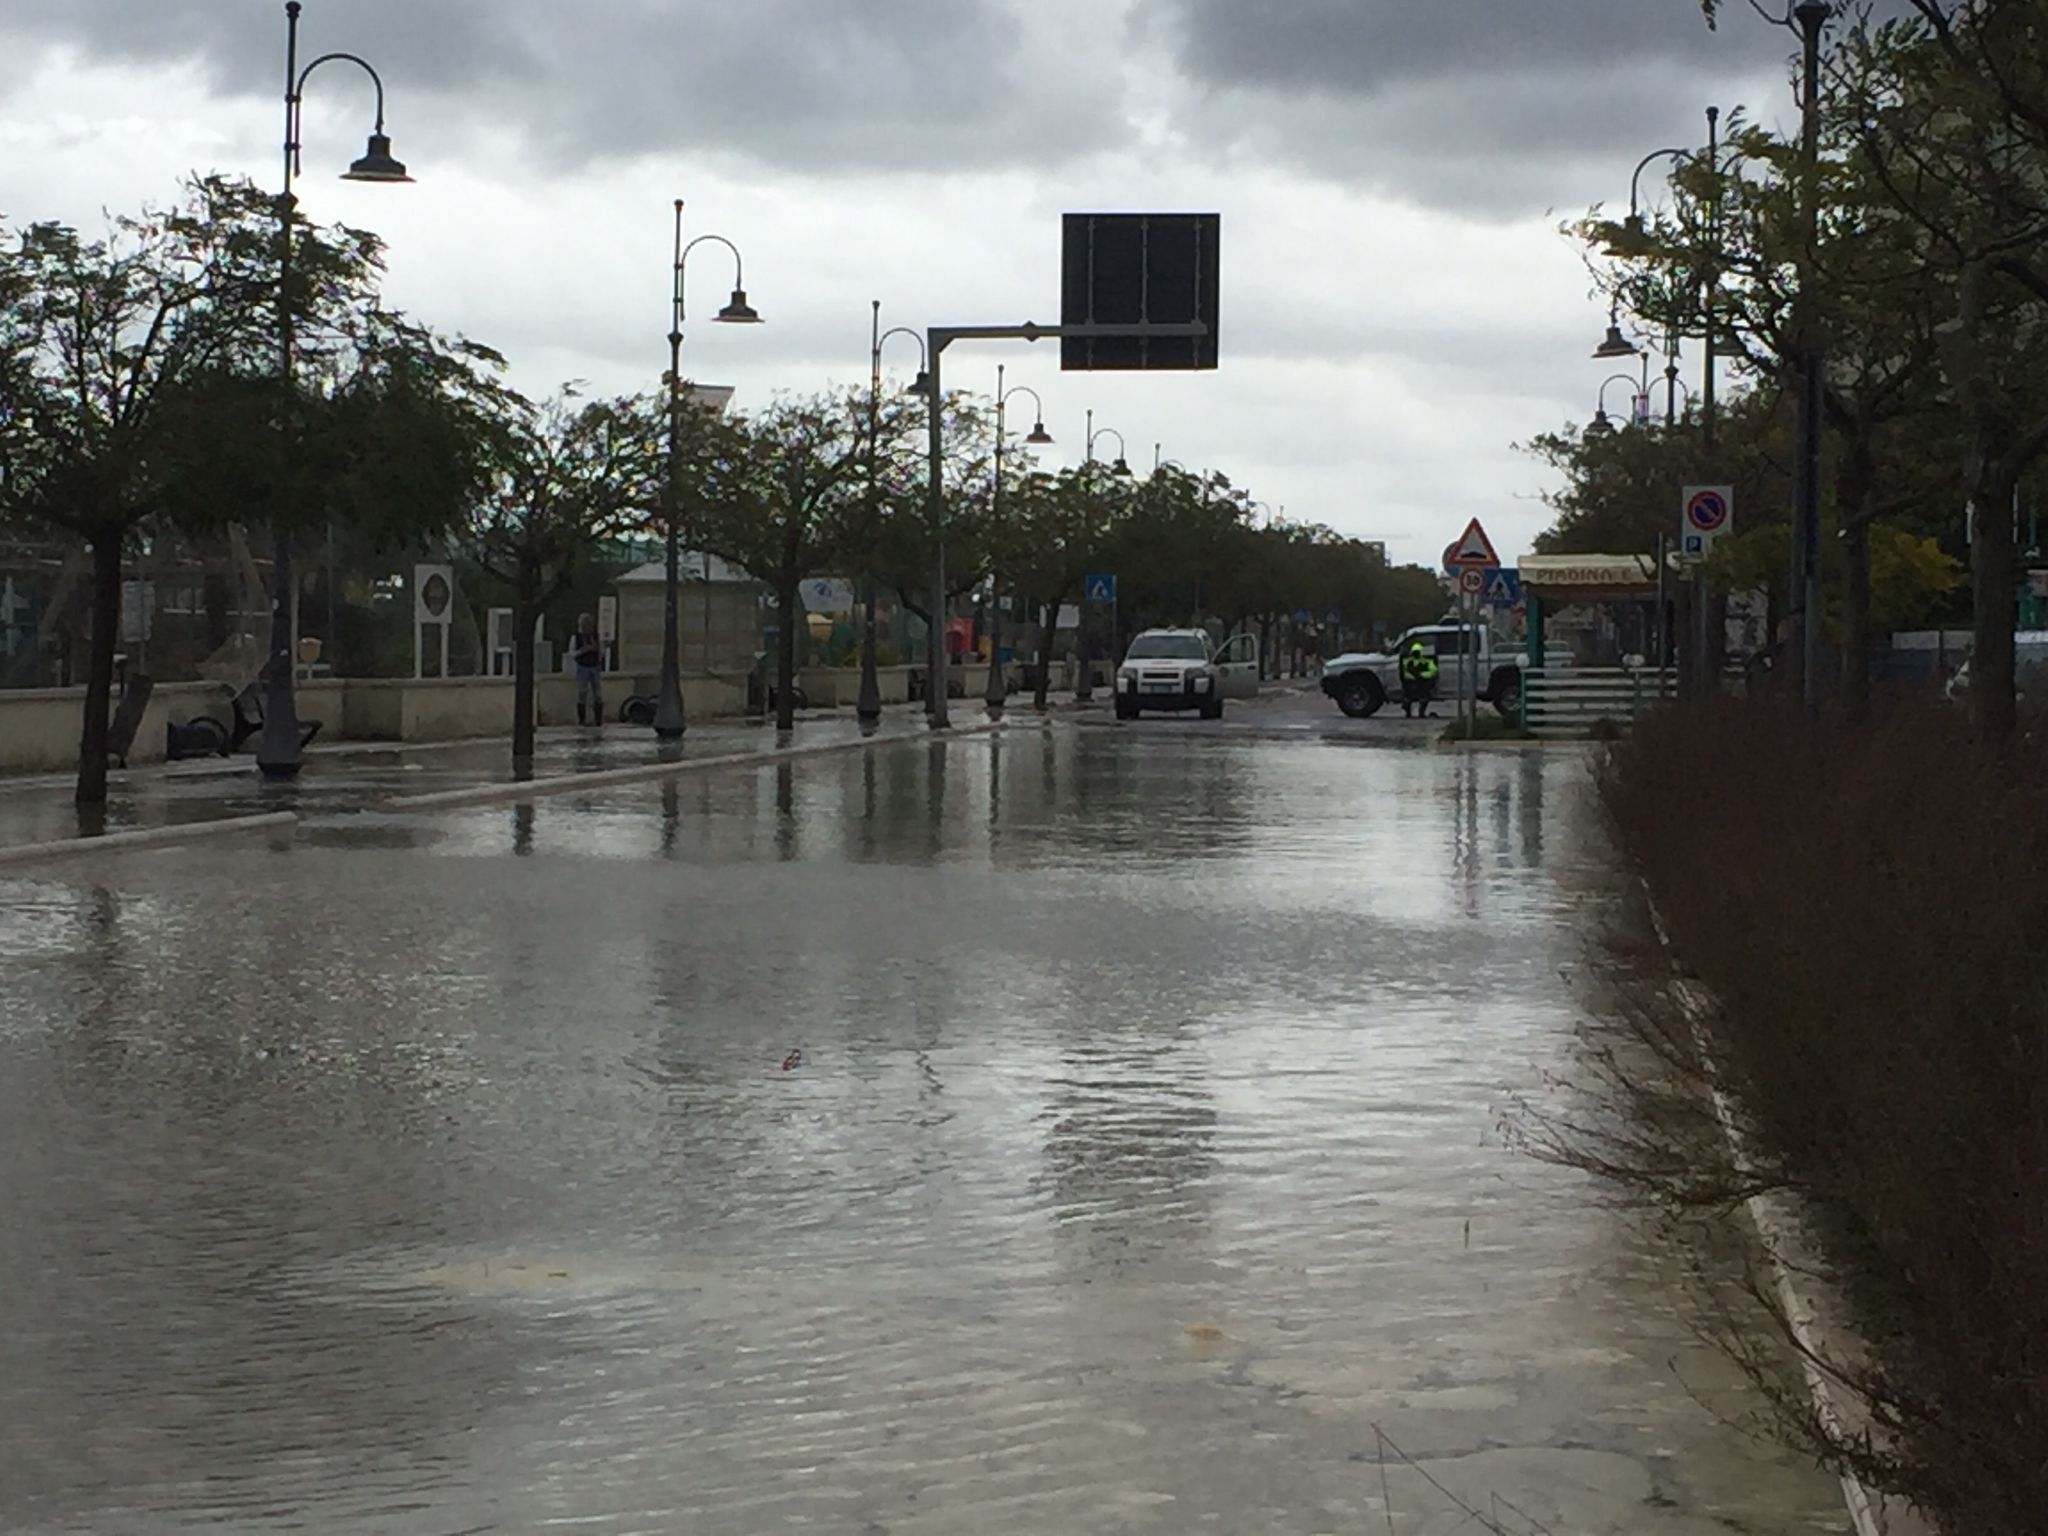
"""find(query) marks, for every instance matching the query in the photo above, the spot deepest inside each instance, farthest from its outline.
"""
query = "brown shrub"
(1867, 905)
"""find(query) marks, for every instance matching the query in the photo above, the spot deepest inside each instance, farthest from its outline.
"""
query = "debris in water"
(792, 1061)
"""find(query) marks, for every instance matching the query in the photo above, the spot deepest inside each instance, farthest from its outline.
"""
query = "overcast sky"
(1398, 308)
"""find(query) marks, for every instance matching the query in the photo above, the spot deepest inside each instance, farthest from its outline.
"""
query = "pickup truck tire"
(1126, 711)
(1213, 710)
(1361, 696)
(1504, 691)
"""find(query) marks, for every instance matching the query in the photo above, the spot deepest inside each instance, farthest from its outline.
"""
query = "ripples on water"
(443, 1175)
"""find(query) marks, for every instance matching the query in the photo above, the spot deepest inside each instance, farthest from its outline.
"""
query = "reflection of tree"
(226, 1130)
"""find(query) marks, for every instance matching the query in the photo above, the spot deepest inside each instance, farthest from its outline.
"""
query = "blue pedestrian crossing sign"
(1100, 589)
(1503, 587)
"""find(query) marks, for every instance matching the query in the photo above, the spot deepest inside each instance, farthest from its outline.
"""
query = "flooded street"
(1075, 1131)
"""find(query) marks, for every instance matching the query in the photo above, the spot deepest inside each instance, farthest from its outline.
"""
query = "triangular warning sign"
(1473, 551)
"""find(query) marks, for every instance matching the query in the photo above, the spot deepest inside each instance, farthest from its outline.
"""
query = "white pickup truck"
(1361, 683)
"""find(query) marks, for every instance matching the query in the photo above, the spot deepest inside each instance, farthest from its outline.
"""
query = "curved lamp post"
(279, 749)
(1084, 683)
(994, 694)
(1121, 467)
(668, 704)
(1602, 424)
(868, 705)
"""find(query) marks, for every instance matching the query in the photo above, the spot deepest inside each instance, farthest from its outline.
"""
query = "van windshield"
(1164, 647)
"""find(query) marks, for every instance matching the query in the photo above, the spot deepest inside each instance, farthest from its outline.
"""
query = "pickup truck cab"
(1174, 669)
(1360, 683)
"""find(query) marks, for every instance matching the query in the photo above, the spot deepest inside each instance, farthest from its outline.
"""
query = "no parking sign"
(1707, 512)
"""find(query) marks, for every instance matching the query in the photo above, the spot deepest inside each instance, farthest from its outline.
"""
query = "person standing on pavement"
(1418, 680)
(588, 653)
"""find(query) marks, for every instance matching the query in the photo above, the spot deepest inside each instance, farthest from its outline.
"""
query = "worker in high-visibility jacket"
(1418, 680)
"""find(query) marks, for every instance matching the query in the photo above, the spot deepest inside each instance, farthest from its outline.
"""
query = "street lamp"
(279, 748)
(1602, 424)
(1121, 467)
(668, 703)
(1614, 344)
(868, 705)
(1084, 683)
(994, 694)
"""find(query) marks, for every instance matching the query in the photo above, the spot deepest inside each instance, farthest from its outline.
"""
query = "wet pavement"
(1073, 1131)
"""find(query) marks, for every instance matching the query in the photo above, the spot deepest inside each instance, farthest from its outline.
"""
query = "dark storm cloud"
(1503, 105)
(911, 84)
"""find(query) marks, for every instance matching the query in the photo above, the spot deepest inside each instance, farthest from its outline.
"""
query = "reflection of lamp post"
(994, 694)
(868, 706)
(278, 748)
(668, 703)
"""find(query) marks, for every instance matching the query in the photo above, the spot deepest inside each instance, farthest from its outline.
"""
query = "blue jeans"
(590, 690)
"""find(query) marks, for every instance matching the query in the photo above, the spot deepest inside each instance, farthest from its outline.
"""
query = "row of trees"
(1901, 248)
(140, 396)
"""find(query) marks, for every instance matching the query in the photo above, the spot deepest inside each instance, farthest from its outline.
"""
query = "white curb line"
(1778, 1232)
(147, 837)
(574, 783)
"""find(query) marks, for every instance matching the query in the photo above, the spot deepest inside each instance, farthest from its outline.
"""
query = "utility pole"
(1805, 594)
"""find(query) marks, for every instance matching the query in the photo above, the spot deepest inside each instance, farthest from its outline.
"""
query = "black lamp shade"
(1038, 437)
(377, 164)
(739, 311)
(1615, 344)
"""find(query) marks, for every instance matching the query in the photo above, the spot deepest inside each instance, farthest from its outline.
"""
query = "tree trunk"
(1994, 575)
(525, 606)
(1047, 627)
(107, 541)
(785, 652)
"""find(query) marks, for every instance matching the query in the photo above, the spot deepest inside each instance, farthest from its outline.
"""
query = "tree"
(1056, 527)
(897, 539)
(142, 384)
(801, 504)
(563, 476)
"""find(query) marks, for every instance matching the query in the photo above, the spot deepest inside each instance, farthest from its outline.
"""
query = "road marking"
(145, 837)
(572, 783)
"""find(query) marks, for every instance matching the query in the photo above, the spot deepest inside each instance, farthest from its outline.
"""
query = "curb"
(1869, 1512)
(148, 837)
(573, 783)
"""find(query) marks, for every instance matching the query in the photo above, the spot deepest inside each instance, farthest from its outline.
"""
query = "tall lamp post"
(668, 704)
(279, 748)
(1084, 683)
(1709, 293)
(868, 705)
(994, 694)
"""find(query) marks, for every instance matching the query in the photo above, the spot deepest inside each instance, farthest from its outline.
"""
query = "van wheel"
(1213, 710)
(1361, 696)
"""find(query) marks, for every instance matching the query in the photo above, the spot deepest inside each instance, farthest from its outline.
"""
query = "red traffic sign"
(1707, 507)
(1471, 581)
(1472, 552)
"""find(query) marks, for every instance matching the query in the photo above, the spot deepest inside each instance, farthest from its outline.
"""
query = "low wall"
(39, 727)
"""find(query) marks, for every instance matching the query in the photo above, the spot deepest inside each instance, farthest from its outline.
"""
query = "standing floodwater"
(1084, 1132)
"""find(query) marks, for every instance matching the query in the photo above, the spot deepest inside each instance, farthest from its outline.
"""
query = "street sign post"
(1706, 512)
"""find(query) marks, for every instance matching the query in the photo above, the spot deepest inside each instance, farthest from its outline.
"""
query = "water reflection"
(1121, 1181)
